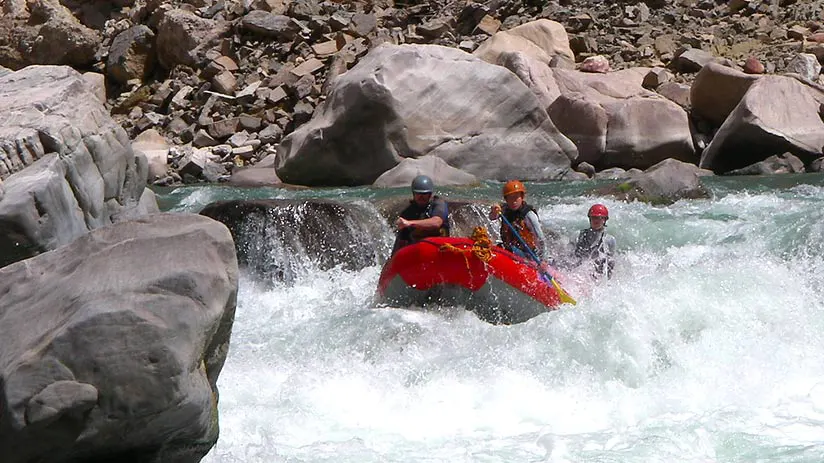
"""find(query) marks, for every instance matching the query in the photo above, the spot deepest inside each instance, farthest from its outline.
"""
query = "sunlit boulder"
(414, 100)
(111, 346)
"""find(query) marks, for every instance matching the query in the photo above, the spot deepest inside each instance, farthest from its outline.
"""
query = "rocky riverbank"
(208, 88)
(115, 319)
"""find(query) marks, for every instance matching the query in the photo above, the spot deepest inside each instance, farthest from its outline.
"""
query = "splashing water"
(704, 347)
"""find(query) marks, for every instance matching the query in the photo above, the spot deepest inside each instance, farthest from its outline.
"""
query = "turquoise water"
(706, 346)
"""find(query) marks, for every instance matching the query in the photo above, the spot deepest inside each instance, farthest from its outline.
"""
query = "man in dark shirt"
(426, 215)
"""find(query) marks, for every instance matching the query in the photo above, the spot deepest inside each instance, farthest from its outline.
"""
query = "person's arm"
(580, 251)
(439, 217)
(611, 255)
(427, 224)
(495, 212)
(609, 242)
(534, 226)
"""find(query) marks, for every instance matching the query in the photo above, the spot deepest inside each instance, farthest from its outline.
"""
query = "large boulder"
(413, 100)
(615, 122)
(61, 38)
(778, 114)
(436, 168)
(154, 147)
(534, 74)
(664, 183)
(111, 347)
(67, 166)
(280, 239)
(260, 174)
(131, 55)
(717, 90)
(541, 39)
(183, 38)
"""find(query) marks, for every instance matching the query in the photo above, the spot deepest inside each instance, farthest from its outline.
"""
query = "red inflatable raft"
(497, 285)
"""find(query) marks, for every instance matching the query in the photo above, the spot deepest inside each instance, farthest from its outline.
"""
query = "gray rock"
(780, 164)
(183, 37)
(817, 165)
(412, 100)
(586, 168)
(763, 125)
(131, 55)
(664, 183)
(260, 174)
(806, 65)
(59, 399)
(62, 39)
(303, 233)
(612, 173)
(692, 60)
(271, 25)
(362, 24)
(67, 166)
(677, 93)
(111, 347)
(304, 9)
(656, 77)
(717, 90)
(615, 122)
(271, 134)
(436, 168)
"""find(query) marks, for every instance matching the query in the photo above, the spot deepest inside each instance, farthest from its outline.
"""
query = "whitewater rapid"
(706, 346)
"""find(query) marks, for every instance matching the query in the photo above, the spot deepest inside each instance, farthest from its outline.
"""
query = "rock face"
(414, 100)
(615, 122)
(262, 68)
(111, 347)
(66, 166)
(717, 90)
(778, 114)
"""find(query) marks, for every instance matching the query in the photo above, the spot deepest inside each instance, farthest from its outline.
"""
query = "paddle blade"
(565, 297)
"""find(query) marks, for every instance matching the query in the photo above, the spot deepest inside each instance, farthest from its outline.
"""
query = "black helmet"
(422, 184)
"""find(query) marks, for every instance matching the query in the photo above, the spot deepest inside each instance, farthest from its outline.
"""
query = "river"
(705, 346)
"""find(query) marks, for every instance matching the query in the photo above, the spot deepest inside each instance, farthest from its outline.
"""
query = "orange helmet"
(513, 186)
(598, 210)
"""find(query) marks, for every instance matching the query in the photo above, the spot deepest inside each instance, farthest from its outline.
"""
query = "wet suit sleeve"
(609, 244)
(609, 250)
(404, 237)
(580, 246)
(534, 226)
(439, 209)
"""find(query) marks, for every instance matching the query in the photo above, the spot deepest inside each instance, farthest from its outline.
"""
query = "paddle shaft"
(525, 246)
(563, 294)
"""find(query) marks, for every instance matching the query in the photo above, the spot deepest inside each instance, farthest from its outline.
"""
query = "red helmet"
(598, 210)
(513, 186)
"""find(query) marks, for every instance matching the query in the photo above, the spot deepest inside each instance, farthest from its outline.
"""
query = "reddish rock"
(598, 63)
(753, 66)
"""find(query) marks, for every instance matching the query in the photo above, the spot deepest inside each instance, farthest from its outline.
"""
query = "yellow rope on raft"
(482, 249)
(481, 246)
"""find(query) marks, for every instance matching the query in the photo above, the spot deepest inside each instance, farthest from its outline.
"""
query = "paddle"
(565, 297)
